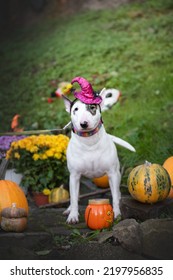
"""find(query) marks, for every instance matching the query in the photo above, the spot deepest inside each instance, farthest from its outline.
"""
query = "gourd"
(102, 182)
(149, 183)
(10, 193)
(168, 165)
(14, 219)
(99, 214)
(58, 195)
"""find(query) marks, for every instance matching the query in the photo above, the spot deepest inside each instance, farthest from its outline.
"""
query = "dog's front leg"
(114, 182)
(74, 194)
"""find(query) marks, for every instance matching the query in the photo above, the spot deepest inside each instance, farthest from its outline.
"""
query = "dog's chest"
(91, 157)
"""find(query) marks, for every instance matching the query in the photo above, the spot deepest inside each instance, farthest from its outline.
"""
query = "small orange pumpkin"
(102, 182)
(149, 183)
(99, 214)
(10, 193)
(14, 219)
(168, 165)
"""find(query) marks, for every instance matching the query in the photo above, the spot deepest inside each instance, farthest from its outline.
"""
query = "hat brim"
(86, 100)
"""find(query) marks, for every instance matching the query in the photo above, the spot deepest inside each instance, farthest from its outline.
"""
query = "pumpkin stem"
(13, 205)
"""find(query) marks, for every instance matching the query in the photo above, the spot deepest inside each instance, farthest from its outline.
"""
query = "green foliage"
(77, 237)
(129, 48)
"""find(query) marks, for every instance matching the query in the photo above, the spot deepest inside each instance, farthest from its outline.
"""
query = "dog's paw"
(72, 218)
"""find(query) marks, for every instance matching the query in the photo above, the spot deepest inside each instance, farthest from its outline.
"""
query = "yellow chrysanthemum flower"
(58, 155)
(43, 156)
(35, 157)
(50, 153)
(17, 155)
(33, 149)
(46, 191)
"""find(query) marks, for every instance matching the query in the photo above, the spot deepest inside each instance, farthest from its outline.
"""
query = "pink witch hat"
(87, 94)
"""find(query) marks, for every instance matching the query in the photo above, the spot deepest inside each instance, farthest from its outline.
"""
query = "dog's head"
(83, 116)
(87, 116)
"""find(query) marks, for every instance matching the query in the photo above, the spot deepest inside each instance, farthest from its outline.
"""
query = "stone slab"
(94, 251)
(131, 208)
(157, 238)
(31, 240)
(128, 234)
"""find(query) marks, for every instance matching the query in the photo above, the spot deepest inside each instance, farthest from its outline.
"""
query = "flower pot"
(40, 198)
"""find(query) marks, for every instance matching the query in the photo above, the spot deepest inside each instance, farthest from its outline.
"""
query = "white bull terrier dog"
(91, 151)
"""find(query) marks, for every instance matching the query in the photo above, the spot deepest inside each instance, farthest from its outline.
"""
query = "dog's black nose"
(84, 125)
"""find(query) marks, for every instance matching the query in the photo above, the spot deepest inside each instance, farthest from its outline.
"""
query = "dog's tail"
(122, 143)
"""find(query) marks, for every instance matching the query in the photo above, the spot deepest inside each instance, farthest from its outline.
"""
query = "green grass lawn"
(130, 48)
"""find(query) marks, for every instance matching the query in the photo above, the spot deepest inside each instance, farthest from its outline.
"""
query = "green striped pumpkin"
(149, 183)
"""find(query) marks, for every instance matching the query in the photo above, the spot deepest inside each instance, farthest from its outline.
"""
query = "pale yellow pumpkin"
(58, 195)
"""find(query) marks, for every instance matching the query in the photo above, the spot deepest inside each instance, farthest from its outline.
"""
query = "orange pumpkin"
(99, 214)
(168, 165)
(10, 193)
(149, 183)
(102, 182)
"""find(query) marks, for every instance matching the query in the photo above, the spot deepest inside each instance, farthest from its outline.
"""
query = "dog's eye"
(108, 95)
(92, 108)
(75, 110)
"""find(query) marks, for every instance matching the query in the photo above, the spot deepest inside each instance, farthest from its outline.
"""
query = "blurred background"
(13, 12)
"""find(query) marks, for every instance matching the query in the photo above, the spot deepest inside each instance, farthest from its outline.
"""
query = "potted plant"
(42, 161)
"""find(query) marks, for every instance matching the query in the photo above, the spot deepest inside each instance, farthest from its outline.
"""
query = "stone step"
(152, 238)
(131, 208)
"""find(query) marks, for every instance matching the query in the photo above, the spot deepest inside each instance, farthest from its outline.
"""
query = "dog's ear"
(109, 98)
(67, 103)
(102, 94)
